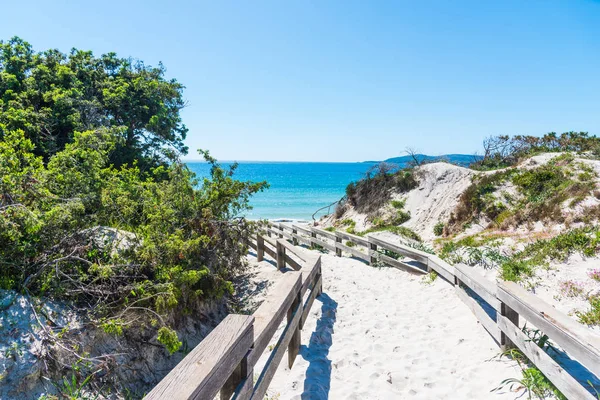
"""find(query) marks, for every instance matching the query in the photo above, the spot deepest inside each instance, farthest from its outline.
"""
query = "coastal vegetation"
(516, 196)
(547, 186)
(506, 151)
(98, 212)
(374, 190)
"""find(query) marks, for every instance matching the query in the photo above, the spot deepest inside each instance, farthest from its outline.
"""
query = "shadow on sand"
(318, 373)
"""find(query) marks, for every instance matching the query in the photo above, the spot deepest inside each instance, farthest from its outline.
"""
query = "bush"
(400, 217)
(543, 191)
(398, 204)
(374, 191)
(504, 151)
(591, 317)
(515, 270)
(181, 244)
(522, 264)
(438, 229)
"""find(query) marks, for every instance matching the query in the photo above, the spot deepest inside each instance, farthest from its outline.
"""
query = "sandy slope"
(436, 196)
(383, 334)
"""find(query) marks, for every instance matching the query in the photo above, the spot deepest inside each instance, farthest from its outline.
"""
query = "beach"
(382, 333)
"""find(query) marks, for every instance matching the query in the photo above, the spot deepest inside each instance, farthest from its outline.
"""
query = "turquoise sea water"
(297, 189)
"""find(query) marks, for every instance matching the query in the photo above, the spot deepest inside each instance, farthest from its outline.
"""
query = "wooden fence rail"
(223, 363)
(502, 308)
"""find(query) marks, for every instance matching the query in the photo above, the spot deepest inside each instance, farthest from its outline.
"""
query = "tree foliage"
(504, 151)
(95, 206)
(50, 96)
(60, 223)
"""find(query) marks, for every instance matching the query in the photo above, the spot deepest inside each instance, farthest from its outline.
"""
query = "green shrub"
(592, 316)
(400, 217)
(375, 189)
(398, 204)
(429, 278)
(438, 229)
(177, 228)
(543, 190)
(515, 270)
(505, 151)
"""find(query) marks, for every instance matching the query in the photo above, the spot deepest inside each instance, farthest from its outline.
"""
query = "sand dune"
(381, 333)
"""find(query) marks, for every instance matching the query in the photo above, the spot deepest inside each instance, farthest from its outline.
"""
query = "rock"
(107, 238)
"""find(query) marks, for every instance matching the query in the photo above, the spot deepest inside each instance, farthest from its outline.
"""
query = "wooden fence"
(223, 363)
(502, 308)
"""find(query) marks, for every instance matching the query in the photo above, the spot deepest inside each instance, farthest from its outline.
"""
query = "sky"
(347, 80)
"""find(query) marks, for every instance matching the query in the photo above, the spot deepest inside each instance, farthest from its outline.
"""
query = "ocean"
(297, 190)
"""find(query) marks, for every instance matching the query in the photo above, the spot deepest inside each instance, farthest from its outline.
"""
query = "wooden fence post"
(314, 235)
(513, 317)
(281, 229)
(373, 248)
(260, 248)
(338, 239)
(240, 373)
(280, 256)
(294, 240)
(319, 275)
(294, 346)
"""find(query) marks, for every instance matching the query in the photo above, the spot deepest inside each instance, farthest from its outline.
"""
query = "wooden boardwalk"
(502, 308)
(380, 333)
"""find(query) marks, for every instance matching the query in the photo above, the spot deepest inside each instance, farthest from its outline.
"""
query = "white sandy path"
(382, 334)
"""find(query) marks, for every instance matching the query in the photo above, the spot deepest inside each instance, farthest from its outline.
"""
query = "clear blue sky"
(347, 80)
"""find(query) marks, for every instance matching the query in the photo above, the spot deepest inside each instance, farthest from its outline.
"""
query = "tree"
(50, 95)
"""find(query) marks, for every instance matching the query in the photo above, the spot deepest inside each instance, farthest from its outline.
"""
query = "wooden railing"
(224, 361)
(502, 308)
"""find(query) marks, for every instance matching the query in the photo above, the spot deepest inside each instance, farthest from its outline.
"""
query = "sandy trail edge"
(379, 333)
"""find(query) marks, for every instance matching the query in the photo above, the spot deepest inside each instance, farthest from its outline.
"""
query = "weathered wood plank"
(373, 253)
(266, 376)
(236, 380)
(485, 288)
(442, 268)
(309, 271)
(484, 319)
(294, 345)
(323, 232)
(512, 316)
(399, 264)
(553, 371)
(402, 250)
(271, 312)
(302, 229)
(271, 241)
(280, 256)
(286, 226)
(270, 252)
(322, 244)
(302, 239)
(280, 233)
(292, 263)
(204, 371)
(251, 244)
(352, 238)
(260, 248)
(299, 252)
(353, 251)
(576, 339)
(311, 298)
(245, 389)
